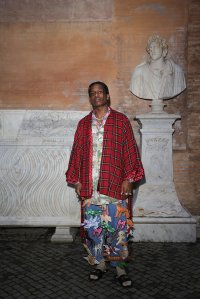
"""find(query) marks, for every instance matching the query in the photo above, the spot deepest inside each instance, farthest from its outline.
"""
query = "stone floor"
(31, 266)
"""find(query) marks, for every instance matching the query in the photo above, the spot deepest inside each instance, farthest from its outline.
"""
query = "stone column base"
(64, 234)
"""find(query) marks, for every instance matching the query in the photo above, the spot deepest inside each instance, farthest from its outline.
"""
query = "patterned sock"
(120, 271)
(101, 266)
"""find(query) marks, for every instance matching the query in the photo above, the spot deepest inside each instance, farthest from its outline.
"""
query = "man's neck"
(100, 111)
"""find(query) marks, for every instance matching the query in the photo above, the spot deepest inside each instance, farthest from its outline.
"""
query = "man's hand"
(78, 187)
(126, 189)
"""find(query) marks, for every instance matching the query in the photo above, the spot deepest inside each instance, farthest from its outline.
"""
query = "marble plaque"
(34, 151)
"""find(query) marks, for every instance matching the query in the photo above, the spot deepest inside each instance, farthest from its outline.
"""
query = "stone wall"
(51, 50)
(187, 162)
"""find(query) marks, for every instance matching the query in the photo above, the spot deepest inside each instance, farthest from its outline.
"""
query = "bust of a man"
(158, 78)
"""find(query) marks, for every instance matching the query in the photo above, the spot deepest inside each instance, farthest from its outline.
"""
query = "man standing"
(103, 164)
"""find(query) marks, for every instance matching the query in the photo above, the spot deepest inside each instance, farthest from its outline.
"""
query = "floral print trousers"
(107, 228)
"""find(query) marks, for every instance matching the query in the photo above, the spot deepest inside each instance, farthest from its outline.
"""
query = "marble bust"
(159, 77)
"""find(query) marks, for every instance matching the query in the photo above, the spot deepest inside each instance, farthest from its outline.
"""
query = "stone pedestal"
(158, 214)
(64, 234)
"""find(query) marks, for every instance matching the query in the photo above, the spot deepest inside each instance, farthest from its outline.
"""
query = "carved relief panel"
(34, 152)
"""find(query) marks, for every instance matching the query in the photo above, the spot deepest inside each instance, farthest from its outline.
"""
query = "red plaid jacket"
(120, 157)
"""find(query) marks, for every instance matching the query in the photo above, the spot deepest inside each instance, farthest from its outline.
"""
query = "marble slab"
(34, 151)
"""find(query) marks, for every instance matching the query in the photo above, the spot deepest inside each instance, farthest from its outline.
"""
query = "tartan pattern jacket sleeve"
(80, 162)
(120, 156)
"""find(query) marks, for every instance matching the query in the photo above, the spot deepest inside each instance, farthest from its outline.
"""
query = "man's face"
(155, 51)
(98, 97)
